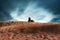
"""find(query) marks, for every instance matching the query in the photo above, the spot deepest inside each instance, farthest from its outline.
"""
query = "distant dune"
(29, 31)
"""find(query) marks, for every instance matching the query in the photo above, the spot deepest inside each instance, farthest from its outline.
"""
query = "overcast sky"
(38, 10)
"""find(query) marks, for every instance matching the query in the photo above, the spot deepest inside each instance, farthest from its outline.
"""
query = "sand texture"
(29, 31)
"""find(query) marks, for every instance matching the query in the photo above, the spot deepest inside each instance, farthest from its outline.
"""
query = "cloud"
(38, 14)
(42, 7)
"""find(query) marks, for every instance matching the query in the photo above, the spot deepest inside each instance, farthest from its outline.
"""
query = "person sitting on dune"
(29, 20)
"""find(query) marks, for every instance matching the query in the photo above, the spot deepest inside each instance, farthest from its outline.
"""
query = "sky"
(38, 10)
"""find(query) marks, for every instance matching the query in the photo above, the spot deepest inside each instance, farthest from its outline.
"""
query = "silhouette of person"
(29, 20)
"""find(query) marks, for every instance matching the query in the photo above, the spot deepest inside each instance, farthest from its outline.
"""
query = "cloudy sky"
(38, 10)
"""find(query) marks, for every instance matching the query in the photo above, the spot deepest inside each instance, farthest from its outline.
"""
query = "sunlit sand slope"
(29, 31)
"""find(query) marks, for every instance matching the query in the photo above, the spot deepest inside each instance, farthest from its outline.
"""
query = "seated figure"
(29, 20)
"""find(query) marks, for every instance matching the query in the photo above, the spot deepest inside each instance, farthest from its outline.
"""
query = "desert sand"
(29, 31)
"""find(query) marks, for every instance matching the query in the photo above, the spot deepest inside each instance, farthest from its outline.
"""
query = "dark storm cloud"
(53, 5)
(6, 6)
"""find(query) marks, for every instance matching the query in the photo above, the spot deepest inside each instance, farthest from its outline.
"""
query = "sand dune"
(29, 31)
